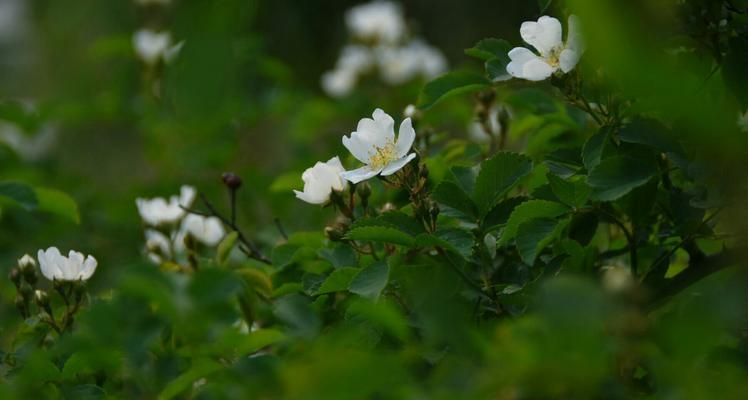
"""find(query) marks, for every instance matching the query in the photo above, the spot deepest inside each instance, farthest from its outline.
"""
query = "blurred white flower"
(377, 20)
(338, 82)
(152, 46)
(410, 111)
(74, 267)
(476, 130)
(401, 64)
(374, 144)
(29, 147)
(208, 230)
(158, 211)
(546, 36)
(616, 279)
(13, 22)
(743, 121)
(320, 180)
(157, 245)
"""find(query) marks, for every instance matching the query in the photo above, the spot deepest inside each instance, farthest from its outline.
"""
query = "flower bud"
(364, 190)
(41, 298)
(335, 232)
(26, 290)
(486, 97)
(26, 262)
(231, 180)
(387, 207)
(15, 276)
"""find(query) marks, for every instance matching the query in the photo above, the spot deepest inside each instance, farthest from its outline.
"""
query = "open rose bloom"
(545, 36)
(74, 267)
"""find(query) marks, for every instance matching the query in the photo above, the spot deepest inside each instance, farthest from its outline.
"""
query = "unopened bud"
(26, 290)
(387, 207)
(42, 298)
(410, 111)
(15, 276)
(364, 190)
(486, 97)
(334, 232)
(26, 262)
(232, 180)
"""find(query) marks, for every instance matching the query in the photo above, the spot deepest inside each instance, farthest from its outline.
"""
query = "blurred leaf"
(451, 84)
(201, 368)
(497, 176)
(734, 66)
(340, 256)
(650, 133)
(489, 48)
(58, 203)
(370, 281)
(618, 175)
(593, 149)
(528, 210)
(296, 312)
(21, 193)
(496, 68)
(543, 5)
(225, 247)
(338, 280)
(257, 280)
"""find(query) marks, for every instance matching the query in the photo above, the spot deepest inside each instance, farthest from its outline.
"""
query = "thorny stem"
(249, 248)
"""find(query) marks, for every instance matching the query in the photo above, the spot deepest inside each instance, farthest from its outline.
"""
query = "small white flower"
(338, 82)
(26, 261)
(743, 121)
(320, 180)
(546, 36)
(208, 230)
(158, 211)
(616, 279)
(74, 267)
(401, 64)
(374, 144)
(377, 20)
(152, 46)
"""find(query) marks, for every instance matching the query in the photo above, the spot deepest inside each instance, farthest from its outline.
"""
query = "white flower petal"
(338, 82)
(405, 137)
(568, 59)
(537, 70)
(360, 174)
(360, 149)
(574, 36)
(544, 35)
(89, 267)
(396, 165)
(520, 56)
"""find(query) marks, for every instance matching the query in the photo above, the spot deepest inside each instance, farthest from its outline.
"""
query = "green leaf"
(530, 210)
(489, 48)
(499, 215)
(225, 247)
(464, 177)
(593, 150)
(200, 369)
(458, 241)
(340, 256)
(496, 68)
(58, 203)
(380, 234)
(338, 280)
(21, 193)
(650, 133)
(497, 176)
(451, 84)
(734, 66)
(574, 193)
(450, 195)
(295, 311)
(533, 236)
(615, 176)
(370, 281)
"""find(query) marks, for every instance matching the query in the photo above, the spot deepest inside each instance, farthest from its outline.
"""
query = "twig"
(279, 226)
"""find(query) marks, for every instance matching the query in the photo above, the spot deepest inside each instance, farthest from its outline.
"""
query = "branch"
(695, 272)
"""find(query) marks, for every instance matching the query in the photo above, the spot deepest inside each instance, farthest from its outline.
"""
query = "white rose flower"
(158, 211)
(397, 65)
(374, 144)
(74, 267)
(546, 36)
(208, 230)
(376, 20)
(743, 121)
(320, 180)
(152, 46)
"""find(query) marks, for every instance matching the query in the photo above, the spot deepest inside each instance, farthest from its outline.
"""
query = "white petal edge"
(360, 174)
(396, 165)
(405, 137)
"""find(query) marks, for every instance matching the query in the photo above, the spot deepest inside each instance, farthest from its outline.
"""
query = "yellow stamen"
(383, 155)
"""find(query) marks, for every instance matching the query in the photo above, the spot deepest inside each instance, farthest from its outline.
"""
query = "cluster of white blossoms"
(57, 267)
(374, 144)
(383, 45)
(168, 224)
(546, 36)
